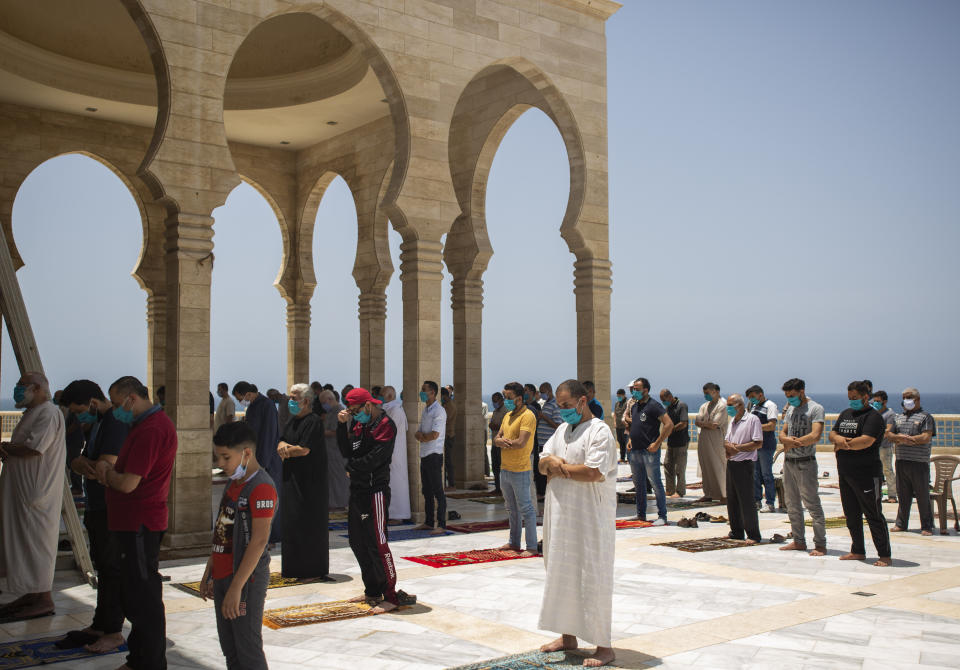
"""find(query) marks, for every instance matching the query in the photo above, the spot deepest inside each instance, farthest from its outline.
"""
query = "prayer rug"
(42, 651)
(482, 526)
(632, 523)
(625, 498)
(466, 557)
(463, 495)
(705, 544)
(491, 500)
(304, 615)
(531, 660)
(338, 525)
(338, 516)
(832, 522)
(277, 581)
(624, 479)
(403, 534)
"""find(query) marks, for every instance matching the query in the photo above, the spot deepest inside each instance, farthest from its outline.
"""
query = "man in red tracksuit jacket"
(365, 436)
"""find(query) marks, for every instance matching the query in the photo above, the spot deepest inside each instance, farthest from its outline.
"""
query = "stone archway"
(485, 111)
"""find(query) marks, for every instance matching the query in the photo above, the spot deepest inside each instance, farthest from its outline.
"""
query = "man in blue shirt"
(592, 403)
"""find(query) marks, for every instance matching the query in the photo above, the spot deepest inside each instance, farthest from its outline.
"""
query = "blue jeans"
(763, 475)
(644, 465)
(516, 498)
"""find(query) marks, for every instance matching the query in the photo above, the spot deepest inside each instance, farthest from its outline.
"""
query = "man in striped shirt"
(912, 432)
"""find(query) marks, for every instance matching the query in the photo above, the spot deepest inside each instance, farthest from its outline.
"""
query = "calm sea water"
(935, 403)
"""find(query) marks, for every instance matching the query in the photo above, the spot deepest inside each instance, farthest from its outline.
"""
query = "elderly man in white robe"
(579, 523)
(31, 496)
(399, 483)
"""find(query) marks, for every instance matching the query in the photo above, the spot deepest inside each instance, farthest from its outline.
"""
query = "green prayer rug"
(532, 660)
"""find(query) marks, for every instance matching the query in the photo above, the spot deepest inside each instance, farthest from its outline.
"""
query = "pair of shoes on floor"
(688, 523)
(702, 516)
(777, 539)
(718, 519)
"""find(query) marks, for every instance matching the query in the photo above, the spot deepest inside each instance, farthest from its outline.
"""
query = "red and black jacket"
(368, 449)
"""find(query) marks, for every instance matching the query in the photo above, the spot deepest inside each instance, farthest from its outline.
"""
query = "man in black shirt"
(856, 438)
(86, 402)
(675, 464)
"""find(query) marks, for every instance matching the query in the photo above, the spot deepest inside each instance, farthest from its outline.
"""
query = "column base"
(185, 545)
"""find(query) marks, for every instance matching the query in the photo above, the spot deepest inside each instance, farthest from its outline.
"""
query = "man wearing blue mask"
(712, 421)
(766, 411)
(744, 437)
(802, 428)
(431, 434)
(856, 437)
(137, 488)
(675, 464)
(366, 436)
(304, 506)
(496, 419)
(649, 428)
(579, 521)
(86, 402)
(31, 494)
(878, 401)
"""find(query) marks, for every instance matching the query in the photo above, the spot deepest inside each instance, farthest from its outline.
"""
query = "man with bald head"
(31, 495)
(744, 436)
(399, 482)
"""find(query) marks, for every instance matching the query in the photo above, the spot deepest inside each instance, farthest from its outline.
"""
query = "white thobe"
(579, 526)
(31, 497)
(399, 481)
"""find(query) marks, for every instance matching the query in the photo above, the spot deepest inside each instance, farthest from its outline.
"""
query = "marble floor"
(740, 608)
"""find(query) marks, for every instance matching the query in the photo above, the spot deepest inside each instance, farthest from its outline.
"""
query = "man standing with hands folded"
(744, 437)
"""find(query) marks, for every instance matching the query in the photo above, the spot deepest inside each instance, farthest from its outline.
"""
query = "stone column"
(592, 286)
(189, 262)
(421, 275)
(373, 320)
(467, 303)
(298, 344)
(156, 342)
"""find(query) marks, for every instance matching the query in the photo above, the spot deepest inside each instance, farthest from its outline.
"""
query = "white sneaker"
(768, 509)
(660, 522)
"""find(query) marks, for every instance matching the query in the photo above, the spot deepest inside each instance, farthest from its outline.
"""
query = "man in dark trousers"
(261, 415)
(86, 402)
(365, 435)
(137, 487)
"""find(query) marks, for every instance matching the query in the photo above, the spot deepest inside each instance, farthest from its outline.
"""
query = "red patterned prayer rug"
(632, 523)
(466, 557)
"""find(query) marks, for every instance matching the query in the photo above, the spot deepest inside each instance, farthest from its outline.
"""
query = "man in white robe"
(399, 482)
(31, 497)
(579, 523)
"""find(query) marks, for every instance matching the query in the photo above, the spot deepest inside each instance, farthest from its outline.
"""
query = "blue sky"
(784, 202)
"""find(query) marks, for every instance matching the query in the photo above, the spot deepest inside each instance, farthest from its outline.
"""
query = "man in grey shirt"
(912, 432)
(802, 428)
(879, 402)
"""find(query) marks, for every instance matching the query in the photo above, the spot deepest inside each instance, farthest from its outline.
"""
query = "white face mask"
(240, 472)
(909, 403)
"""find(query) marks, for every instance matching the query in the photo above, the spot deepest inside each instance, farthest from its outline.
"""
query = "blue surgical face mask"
(123, 415)
(293, 406)
(19, 393)
(794, 401)
(731, 410)
(877, 405)
(571, 416)
(707, 397)
(497, 405)
(754, 401)
(636, 395)
(240, 472)
(87, 417)
(856, 404)
(509, 404)
(327, 407)
(362, 417)
(544, 397)
(423, 397)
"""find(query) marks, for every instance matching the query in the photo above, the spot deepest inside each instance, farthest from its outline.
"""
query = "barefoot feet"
(794, 546)
(600, 657)
(563, 643)
(853, 557)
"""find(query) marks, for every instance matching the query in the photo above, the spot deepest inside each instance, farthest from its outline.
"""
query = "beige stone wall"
(455, 74)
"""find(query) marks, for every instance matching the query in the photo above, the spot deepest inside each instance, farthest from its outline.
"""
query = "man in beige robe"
(31, 496)
(712, 421)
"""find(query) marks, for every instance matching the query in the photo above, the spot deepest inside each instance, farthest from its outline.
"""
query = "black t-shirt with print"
(645, 423)
(856, 423)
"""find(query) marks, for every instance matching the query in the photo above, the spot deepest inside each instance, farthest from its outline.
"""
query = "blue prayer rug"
(394, 535)
(338, 525)
(42, 651)
(529, 660)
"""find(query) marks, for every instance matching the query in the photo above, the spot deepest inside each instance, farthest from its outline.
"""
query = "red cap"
(360, 396)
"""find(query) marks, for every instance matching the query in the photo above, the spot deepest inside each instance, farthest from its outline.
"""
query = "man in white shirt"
(226, 410)
(431, 435)
(399, 486)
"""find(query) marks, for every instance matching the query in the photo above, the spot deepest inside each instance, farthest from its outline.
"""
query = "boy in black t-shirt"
(856, 438)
